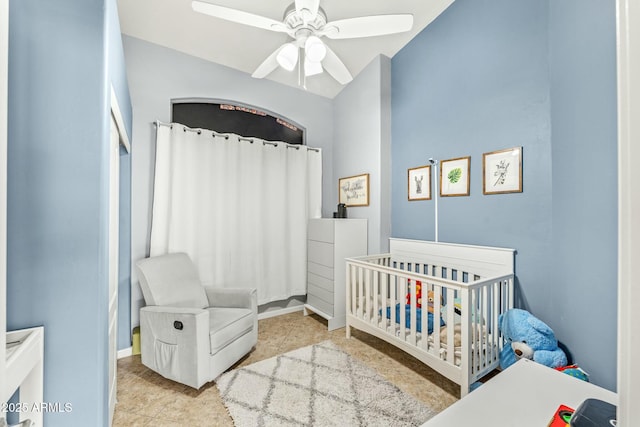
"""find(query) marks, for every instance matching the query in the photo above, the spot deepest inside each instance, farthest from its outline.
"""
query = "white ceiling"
(174, 24)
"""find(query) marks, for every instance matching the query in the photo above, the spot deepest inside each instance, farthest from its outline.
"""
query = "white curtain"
(238, 208)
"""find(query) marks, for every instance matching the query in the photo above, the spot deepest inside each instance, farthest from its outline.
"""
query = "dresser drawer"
(320, 304)
(321, 230)
(323, 294)
(320, 253)
(321, 282)
(320, 270)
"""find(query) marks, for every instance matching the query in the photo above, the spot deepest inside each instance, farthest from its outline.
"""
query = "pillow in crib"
(407, 318)
(457, 309)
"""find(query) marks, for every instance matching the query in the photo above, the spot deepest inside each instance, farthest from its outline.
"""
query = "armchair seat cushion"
(228, 324)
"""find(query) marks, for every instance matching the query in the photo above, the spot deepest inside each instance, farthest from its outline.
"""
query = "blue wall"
(484, 76)
(58, 194)
(582, 47)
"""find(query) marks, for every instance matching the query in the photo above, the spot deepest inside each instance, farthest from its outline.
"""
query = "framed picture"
(419, 183)
(454, 177)
(354, 190)
(502, 171)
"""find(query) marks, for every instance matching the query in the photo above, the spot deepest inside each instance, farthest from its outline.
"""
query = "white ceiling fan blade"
(336, 67)
(239, 16)
(308, 9)
(268, 65)
(368, 26)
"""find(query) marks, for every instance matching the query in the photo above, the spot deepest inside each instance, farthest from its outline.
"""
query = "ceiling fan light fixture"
(314, 49)
(311, 68)
(288, 56)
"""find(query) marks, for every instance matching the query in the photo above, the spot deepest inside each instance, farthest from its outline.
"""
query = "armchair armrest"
(186, 311)
(232, 297)
(175, 342)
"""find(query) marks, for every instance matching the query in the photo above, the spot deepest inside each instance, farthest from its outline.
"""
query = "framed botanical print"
(502, 171)
(419, 183)
(454, 177)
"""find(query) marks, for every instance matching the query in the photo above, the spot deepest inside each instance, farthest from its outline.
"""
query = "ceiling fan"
(306, 22)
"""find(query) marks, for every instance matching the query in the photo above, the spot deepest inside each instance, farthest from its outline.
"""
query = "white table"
(525, 394)
(25, 371)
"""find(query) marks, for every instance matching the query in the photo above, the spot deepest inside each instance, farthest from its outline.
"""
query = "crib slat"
(413, 301)
(348, 292)
(385, 289)
(486, 290)
(437, 271)
(402, 285)
(359, 295)
(437, 306)
(367, 294)
(393, 291)
(477, 327)
(494, 320)
(451, 297)
(376, 297)
(353, 295)
(466, 339)
(472, 336)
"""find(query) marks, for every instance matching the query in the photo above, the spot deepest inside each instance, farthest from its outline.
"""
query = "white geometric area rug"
(318, 385)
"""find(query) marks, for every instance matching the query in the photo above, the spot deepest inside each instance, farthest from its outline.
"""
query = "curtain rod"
(241, 138)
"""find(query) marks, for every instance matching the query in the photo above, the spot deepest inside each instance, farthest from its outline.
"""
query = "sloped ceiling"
(174, 24)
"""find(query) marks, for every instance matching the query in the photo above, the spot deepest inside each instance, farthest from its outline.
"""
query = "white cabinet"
(525, 394)
(24, 363)
(330, 241)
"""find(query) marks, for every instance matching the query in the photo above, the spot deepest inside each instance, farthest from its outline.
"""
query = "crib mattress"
(394, 329)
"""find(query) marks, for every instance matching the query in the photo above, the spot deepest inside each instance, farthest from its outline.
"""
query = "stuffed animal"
(430, 296)
(529, 337)
(457, 334)
(418, 294)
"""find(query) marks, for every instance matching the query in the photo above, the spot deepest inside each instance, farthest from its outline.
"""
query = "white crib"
(470, 287)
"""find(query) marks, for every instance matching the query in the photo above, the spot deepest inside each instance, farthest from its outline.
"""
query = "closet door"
(114, 209)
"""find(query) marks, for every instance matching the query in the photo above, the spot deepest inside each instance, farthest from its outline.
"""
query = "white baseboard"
(125, 352)
(280, 312)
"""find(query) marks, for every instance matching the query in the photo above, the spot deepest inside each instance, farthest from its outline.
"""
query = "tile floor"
(147, 399)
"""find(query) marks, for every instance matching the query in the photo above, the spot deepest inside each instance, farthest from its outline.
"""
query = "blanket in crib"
(407, 320)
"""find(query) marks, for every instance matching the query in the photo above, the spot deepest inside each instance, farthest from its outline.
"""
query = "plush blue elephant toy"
(528, 337)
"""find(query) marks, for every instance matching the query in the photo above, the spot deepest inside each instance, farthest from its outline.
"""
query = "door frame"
(628, 68)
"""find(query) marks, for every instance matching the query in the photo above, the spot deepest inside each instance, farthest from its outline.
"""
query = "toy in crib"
(430, 302)
(418, 294)
(430, 296)
(457, 327)
(407, 317)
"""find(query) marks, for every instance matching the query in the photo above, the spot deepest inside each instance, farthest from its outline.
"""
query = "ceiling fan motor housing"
(294, 20)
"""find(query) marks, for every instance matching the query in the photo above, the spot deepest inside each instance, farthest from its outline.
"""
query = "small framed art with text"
(354, 190)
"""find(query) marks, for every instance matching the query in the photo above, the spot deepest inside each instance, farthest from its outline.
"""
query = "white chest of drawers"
(330, 241)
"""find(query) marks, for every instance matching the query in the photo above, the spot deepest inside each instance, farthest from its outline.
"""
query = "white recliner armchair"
(190, 333)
